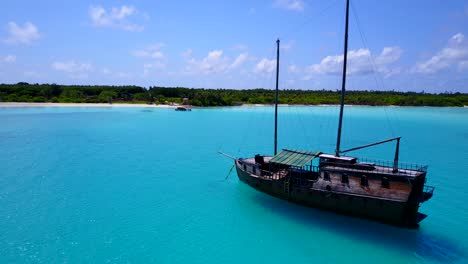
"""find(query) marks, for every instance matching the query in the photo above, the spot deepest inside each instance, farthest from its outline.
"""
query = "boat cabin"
(344, 174)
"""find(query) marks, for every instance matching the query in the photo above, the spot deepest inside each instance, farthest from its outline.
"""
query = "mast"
(276, 95)
(343, 83)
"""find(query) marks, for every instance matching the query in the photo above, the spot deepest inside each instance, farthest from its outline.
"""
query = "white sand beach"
(6, 105)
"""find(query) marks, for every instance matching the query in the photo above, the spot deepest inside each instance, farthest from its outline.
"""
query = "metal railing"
(428, 189)
(401, 165)
(303, 183)
(379, 166)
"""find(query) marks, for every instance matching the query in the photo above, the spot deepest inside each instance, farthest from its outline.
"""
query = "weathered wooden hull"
(387, 211)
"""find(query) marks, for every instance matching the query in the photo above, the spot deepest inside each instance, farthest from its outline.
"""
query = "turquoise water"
(136, 185)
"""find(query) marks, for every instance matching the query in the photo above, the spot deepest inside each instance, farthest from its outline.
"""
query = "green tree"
(107, 96)
(71, 95)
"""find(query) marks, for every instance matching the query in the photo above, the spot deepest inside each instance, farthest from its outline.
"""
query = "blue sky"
(394, 45)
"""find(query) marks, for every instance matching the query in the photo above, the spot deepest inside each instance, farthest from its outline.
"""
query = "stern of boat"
(428, 191)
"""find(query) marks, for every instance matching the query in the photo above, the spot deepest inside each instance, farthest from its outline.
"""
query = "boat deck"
(397, 191)
(378, 170)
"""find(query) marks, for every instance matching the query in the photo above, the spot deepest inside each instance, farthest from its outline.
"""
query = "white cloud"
(457, 38)
(360, 62)
(293, 5)
(124, 75)
(240, 47)
(147, 67)
(454, 53)
(74, 69)
(106, 71)
(71, 66)
(287, 46)
(187, 54)
(147, 54)
(151, 52)
(32, 74)
(22, 34)
(116, 17)
(265, 66)
(214, 62)
(210, 64)
(293, 68)
(389, 55)
(463, 65)
(240, 60)
(8, 59)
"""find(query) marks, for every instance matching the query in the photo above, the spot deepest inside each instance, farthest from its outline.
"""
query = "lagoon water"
(141, 185)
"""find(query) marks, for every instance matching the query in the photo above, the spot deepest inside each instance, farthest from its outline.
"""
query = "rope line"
(377, 77)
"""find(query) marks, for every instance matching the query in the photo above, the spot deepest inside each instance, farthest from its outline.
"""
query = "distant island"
(55, 93)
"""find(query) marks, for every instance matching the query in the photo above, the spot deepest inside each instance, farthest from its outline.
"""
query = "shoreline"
(97, 105)
(117, 105)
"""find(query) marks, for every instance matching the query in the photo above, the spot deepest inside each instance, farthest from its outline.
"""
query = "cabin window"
(364, 181)
(326, 176)
(385, 182)
(245, 167)
(345, 179)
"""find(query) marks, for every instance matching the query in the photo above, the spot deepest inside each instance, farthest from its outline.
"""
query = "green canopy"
(296, 158)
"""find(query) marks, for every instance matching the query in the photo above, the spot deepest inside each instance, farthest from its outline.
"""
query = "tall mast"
(276, 94)
(343, 83)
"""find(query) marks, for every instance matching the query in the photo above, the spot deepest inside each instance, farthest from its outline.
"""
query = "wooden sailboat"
(389, 192)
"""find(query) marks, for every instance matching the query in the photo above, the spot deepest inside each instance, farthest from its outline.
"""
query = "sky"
(393, 45)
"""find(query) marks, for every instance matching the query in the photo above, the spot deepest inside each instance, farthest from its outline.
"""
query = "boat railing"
(389, 164)
(311, 168)
(273, 175)
(428, 191)
(303, 183)
(378, 166)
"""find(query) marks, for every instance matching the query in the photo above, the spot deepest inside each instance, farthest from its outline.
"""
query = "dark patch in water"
(464, 134)
(6, 135)
(418, 242)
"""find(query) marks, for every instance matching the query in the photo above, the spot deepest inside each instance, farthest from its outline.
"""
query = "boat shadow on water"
(417, 241)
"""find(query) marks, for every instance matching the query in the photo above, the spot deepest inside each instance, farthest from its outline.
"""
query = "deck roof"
(296, 158)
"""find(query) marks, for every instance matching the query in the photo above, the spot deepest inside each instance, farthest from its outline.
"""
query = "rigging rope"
(377, 76)
(253, 129)
(307, 21)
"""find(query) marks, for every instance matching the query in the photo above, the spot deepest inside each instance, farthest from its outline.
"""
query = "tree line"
(25, 92)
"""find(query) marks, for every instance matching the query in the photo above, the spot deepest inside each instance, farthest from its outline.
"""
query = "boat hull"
(387, 211)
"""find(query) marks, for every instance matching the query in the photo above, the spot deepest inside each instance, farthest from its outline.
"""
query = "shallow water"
(94, 185)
